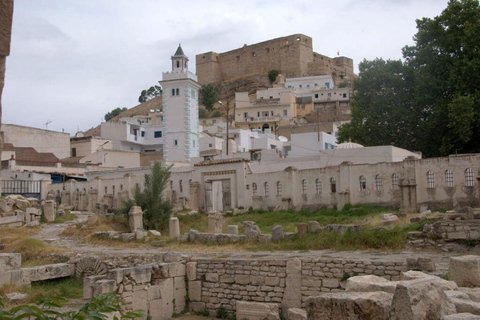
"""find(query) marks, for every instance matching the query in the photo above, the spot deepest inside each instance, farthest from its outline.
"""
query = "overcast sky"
(72, 61)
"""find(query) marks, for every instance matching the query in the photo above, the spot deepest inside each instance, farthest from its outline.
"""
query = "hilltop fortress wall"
(293, 56)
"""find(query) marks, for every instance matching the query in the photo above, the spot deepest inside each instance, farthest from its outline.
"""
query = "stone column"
(49, 210)
(194, 194)
(408, 190)
(93, 199)
(135, 218)
(215, 220)
(292, 297)
(174, 228)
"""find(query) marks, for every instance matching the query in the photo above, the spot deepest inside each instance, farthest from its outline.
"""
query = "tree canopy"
(150, 93)
(209, 95)
(429, 102)
(115, 112)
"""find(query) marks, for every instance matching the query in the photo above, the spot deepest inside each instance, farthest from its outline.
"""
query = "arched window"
(254, 189)
(178, 92)
(333, 185)
(395, 181)
(304, 186)
(171, 184)
(121, 187)
(449, 178)
(266, 190)
(106, 189)
(430, 180)
(363, 183)
(180, 186)
(469, 177)
(279, 188)
(378, 182)
(113, 190)
(173, 92)
(178, 64)
(318, 186)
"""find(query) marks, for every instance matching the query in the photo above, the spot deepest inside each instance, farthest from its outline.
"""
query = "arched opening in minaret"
(178, 64)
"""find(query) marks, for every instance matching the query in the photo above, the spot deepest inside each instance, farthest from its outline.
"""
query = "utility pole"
(227, 108)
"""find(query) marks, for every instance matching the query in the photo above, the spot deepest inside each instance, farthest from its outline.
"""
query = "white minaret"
(180, 110)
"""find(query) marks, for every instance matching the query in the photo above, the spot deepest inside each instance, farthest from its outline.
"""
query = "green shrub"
(272, 75)
(222, 313)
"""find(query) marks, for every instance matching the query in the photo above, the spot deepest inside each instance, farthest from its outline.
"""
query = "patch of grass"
(367, 238)
(266, 220)
(197, 222)
(34, 252)
(68, 288)
(68, 217)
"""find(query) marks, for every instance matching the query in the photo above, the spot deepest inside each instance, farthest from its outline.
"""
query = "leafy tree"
(431, 100)
(115, 112)
(156, 210)
(150, 93)
(96, 308)
(272, 75)
(209, 95)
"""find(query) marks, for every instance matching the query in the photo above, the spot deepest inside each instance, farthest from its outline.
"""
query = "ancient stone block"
(191, 271)
(49, 210)
(197, 306)
(465, 270)
(10, 261)
(420, 299)
(177, 269)
(88, 283)
(264, 238)
(296, 314)
(350, 306)
(179, 293)
(22, 204)
(166, 291)
(314, 226)
(135, 218)
(277, 233)
(461, 316)
(302, 228)
(104, 286)
(388, 218)
(251, 230)
(47, 272)
(211, 277)
(126, 237)
(257, 310)
(232, 229)
(215, 221)
(292, 297)
(195, 290)
(174, 228)
(370, 283)
(14, 277)
(139, 300)
(473, 293)
(331, 283)
(141, 274)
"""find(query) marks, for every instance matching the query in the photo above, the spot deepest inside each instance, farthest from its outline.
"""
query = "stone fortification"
(293, 56)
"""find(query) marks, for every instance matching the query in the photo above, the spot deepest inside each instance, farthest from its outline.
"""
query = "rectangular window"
(329, 94)
(344, 95)
(308, 86)
(193, 143)
(327, 84)
(142, 133)
(316, 95)
(74, 152)
(245, 114)
(158, 134)
(204, 122)
(258, 114)
(316, 84)
(300, 86)
(289, 86)
(175, 142)
(210, 145)
(271, 113)
(285, 112)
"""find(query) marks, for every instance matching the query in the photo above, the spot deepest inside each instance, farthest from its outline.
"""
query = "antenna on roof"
(46, 124)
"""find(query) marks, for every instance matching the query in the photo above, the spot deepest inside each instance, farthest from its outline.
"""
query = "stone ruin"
(448, 229)
(273, 286)
(18, 211)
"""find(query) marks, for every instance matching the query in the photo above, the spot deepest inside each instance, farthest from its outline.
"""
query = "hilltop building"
(293, 56)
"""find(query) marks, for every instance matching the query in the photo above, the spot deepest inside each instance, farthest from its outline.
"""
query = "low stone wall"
(456, 230)
(159, 289)
(216, 282)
